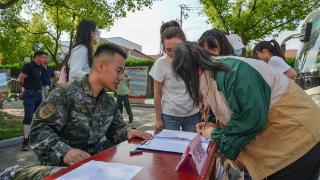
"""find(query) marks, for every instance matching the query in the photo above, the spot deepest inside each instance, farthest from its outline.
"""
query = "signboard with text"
(198, 154)
(4, 77)
(138, 77)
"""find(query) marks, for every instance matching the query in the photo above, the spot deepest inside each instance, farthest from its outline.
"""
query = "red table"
(156, 164)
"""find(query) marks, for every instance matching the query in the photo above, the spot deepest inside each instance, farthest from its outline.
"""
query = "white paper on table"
(102, 170)
(172, 141)
(183, 135)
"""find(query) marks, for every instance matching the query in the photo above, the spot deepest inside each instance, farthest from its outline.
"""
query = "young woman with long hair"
(269, 123)
(215, 42)
(174, 108)
(80, 59)
(271, 53)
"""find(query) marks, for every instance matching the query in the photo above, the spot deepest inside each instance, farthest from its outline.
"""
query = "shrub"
(16, 68)
(131, 63)
(10, 125)
(291, 61)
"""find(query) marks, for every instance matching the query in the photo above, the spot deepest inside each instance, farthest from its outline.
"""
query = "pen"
(202, 115)
(205, 123)
(145, 142)
(206, 116)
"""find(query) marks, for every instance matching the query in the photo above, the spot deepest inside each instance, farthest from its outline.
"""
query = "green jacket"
(248, 96)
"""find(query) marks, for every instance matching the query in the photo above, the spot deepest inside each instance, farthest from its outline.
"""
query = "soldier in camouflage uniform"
(79, 119)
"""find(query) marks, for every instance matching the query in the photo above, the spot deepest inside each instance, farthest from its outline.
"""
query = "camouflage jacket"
(71, 117)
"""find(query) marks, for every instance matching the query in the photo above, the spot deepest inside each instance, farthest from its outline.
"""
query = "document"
(180, 135)
(172, 141)
(102, 170)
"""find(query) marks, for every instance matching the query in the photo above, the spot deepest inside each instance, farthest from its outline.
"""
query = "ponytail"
(171, 29)
(272, 46)
(277, 51)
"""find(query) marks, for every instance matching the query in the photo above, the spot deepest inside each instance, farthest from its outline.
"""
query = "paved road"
(143, 120)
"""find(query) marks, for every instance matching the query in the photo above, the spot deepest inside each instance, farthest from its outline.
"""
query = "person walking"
(123, 97)
(30, 79)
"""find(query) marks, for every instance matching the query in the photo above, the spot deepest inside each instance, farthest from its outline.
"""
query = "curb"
(143, 105)
(133, 105)
(11, 141)
(17, 140)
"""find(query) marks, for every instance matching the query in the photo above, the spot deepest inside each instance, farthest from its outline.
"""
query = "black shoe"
(130, 120)
(25, 145)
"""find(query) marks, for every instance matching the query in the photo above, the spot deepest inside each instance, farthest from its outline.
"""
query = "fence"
(15, 69)
(15, 87)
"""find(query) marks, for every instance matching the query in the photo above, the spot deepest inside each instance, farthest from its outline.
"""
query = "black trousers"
(307, 167)
(124, 100)
(31, 100)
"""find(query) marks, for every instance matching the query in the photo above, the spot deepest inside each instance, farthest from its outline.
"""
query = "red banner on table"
(198, 154)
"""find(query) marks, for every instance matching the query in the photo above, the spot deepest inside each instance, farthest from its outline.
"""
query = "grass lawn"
(10, 125)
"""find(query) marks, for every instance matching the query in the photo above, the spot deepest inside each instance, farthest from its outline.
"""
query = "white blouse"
(78, 63)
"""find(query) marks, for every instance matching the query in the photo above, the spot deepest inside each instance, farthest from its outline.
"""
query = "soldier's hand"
(75, 155)
(158, 125)
(140, 134)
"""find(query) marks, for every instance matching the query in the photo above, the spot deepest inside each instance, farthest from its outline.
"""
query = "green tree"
(53, 17)
(42, 32)
(6, 4)
(13, 46)
(65, 15)
(256, 19)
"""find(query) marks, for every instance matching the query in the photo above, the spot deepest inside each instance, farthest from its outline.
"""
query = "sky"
(142, 27)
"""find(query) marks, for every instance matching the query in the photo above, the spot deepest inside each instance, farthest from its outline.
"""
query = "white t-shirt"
(78, 63)
(279, 64)
(175, 99)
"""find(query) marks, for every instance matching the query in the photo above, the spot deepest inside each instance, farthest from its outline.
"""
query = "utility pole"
(184, 11)
(183, 14)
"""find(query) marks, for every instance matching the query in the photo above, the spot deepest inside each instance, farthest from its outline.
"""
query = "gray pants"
(124, 100)
(45, 91)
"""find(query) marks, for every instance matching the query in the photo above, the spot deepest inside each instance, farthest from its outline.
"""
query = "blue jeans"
(181, 123)
(31, 100)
